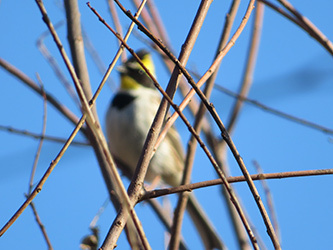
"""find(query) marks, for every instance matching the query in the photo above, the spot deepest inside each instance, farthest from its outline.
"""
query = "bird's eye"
(141, 72)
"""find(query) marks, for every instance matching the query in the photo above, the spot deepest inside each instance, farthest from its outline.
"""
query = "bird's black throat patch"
(121, 100)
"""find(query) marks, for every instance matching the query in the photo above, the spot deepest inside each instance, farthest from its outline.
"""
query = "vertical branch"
(220, 149)
(251, 62)
(192, 145)
(217, 148)
(77, 51)
(75, 40)
(183, 57)
(269, 199)
(246, 83)
(34, 167)
(40, 144)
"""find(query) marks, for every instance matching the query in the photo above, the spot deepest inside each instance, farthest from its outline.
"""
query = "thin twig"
(220, 149)
(156, 18)
(302, 22)
(199, 116)
(34, 167)
(39, 136)
(34, 86)
(40, 144)
(284, 13)
(88, 44)
(147, 19)
(129, 225)
(42, 227)
(310, 27)
(250, 66)
(234, 179)
(42, 181)
(96, 136)
(54, 65)
(269, 199)
(99, 213)
(117, 25)
(276, 112)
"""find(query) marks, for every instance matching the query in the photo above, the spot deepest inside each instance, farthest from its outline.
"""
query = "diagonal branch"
(95, 127)
(310, 27)
(34, 86)
(302, 22)
(42, 181)
(276, 112)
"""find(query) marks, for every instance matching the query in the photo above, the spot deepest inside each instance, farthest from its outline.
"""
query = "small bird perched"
(128, 120)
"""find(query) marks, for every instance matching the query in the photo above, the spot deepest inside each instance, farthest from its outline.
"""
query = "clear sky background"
(294, 74)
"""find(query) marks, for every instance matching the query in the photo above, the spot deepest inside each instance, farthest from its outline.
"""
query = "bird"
(128, 120)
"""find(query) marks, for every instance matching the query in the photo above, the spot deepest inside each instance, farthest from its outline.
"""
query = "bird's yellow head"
(133, 75)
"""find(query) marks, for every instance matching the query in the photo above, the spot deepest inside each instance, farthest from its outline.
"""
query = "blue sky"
(294, 74)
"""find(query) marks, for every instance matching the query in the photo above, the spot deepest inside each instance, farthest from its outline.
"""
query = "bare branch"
(30, 83)
(40, 144)
(116, 21)
(276, 112)
(183, 198)
(42, 181)
(54, 65)
(310, 27)
(42, 227)
(39, 136)
(75, 40)
(250, 66)
(303, 23)
(269, 200)
(34, 167)
(233, 179)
